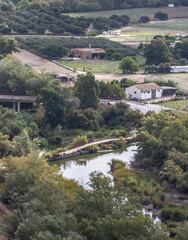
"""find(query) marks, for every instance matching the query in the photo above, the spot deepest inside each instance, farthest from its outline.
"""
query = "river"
(79, 170)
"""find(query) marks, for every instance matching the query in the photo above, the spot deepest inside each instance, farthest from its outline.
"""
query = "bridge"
(75, 151)
(17, 100)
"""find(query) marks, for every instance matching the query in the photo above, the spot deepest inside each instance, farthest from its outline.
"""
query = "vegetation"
(128, 65)
(161, 15)
(39, 45)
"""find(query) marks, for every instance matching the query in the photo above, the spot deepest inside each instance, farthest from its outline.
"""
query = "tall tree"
(87, 90)
(54, 105)
(156, 52)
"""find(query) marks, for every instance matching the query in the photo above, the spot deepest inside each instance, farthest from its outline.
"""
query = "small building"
(179, 69)
(170, 5)
(147, 91)
(144, 91)
(88, 53)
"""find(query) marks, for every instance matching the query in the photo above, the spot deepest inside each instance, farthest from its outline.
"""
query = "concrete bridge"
(17, 100)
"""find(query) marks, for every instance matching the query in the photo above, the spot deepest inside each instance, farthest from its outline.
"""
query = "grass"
(176, 104)
(95, 66)
(176, 24)
(132, 36)
(136, 13)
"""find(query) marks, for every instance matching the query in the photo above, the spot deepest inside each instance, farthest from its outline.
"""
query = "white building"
(179, 69)
(171, 5)
(144, 91)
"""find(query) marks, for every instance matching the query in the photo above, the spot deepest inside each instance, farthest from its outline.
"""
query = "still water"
(80, 170)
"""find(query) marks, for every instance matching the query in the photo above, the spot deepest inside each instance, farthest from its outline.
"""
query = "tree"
(144, 19)
(161, 15)
(171, 171)
(128, 65)
(54, 105)
(87, 90)
(7, 46)
(184, 50)
(156, 52)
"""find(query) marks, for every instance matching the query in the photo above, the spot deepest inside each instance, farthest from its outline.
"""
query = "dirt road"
(40, 64)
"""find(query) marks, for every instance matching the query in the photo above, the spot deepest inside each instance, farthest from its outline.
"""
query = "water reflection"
(79, 170)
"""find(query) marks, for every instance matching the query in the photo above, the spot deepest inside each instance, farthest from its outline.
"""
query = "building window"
(148, 91)
(135, 92)
(158, 90)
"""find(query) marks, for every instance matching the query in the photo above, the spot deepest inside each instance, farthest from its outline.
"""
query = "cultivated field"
(173, 24)
(136, 13)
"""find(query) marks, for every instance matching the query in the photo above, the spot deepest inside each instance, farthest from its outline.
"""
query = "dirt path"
(40, 64)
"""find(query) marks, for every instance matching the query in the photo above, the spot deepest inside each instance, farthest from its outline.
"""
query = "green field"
(177, 24)
(95, 66)
(133, 36)
(176, 104)
(136, 13)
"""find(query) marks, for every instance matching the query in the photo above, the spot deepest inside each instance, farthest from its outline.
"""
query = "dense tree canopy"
(87, 90)
(156, 52)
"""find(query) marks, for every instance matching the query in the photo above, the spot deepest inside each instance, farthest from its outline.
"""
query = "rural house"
(147, 91)
(88, 53)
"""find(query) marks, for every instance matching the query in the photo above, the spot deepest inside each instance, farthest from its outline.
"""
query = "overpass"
(17, 100)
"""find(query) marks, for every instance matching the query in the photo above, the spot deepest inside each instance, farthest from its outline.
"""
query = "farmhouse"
(88, 53)
(147, 91)
(179, 69)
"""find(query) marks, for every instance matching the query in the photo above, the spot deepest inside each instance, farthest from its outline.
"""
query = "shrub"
(78, 141)
(93, 148)
(144, 19)
(161, 15)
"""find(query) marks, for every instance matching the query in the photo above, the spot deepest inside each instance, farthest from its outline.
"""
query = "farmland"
(94, 66)
(177, 24)
(136, 13)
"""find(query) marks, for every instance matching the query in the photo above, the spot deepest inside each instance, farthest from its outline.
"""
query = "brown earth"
(40, 64)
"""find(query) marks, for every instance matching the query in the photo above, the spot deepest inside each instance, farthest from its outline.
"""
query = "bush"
(161, 15)
(78, 141)
(144, 19)
(93, 148)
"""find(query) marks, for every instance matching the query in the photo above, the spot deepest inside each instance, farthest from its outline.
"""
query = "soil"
(40, 64)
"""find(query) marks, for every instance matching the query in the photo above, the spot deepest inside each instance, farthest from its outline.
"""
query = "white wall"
(136, 93)
(179, 69)
(133, 92)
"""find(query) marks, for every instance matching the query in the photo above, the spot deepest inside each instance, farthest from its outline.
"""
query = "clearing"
(180, 78)
(94, 66)
(136, 13)
(39, 64)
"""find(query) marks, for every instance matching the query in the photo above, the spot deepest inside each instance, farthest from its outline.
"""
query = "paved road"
(144, 108)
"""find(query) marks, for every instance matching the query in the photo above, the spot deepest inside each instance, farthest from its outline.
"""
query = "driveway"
(144, 108)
